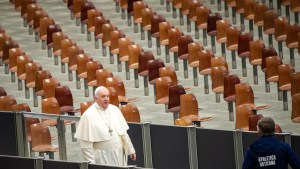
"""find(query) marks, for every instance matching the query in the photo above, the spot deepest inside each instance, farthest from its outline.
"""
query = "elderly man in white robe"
(102, 133)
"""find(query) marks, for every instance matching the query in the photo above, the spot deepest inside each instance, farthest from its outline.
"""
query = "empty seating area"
(153, 56)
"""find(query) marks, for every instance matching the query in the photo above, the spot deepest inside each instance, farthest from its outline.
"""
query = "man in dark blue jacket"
(269, 153)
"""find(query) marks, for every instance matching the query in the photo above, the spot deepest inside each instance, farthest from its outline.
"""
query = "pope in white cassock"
(102, 133)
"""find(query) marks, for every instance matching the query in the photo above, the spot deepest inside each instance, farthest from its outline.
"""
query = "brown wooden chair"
(7, 45)
(64, 97)
(272, 74)
(77, 5)
(84, 14)
(183, 52)
(212, 19)
(221, 27)
(192, 16)
(174, 35)
(38, 14)
(99, 21)
(232, 43)
(91, 15)
(114, 44)
(106, 40)
(101, 75)
(162, 85)
(146, 23)
(155, 20)
(259, 10)
(24, 10)
(295, 83)
(13, 54)
(2, 91)
(153, 69)
(284, 82)
(73, 51)
(31, 8)
(137, 14)
(164, 37)
(31, 69)
(249, 13)
(41, 140)
(6, 102)
(118, 84)
(49, 86)
(217, 80)
(255, 57)
(193, 59)
(295, 117)
(85, 105)
(202, 15)
(21, 69)
(295, 7)
(253, 119)
(243, 113)
(57, 37)
(174, 99)
(124, 55)
(280, 25)
(244, 49)
(229, 92)
(292, 40)
(40, 76)
(91, 68)
(205, 66)
(240, 9)
(3, 37)
(44, 23)
(144, 57)
(50, 30)
(64, 58)
(232, 5)
(189, 108)
(130, 113)
(169, 71)
(81, 72)
(133, 61)
(113, 96)
(268, 28)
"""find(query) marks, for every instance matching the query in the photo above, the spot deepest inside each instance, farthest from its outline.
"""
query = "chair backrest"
(49, 86)
(295, 6)
(91, 68)
(31, 8)
(38, 14)
(44, 23)
(205, 61)
(193, 58)
(292, 35)
(229, 86)
(64, 97)
(218, 61)
(101, 75)
(133, 53)
(253, 119)
(21, 66)
(202, 15)
(77, 4)
(144, 57)
(267, 52)
(7, 45)
(146, 18)
(65, 44)
(193, 5)
(232, 38)
(259, 10)
(153, 69)
(188, 105)
(295, 117)
(242, 114)
(173, 35)
(92, 14)
(2, 91)
(13, 54)
(73, 51)
(6, 102)
(137, 11)
(114, 40)
(255, 56)
(50, 106)
(113, 96)
(243, 44)
(249, 9)
(82, 59)
(280, 25)
(130, 113)
(295, 83)
(221, 27)
(217, 78)
(106, 29)
(163, 32)
(123, 48)
(57, 37)
(84, 11)
(85, 105)
(272, 64)
(240, 6)
(116, 83)
(39, 78)
(174, 97)
(162, 89)
(212, 19)
(183, 43)
(31, 69)
(284, 76)
(99, 21)
(50, 30)
(169, 72)
(269, 17)
(244, 94)
(155, 20)
(40, 135)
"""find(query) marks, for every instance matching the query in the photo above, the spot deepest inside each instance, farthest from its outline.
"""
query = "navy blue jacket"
(269, 153)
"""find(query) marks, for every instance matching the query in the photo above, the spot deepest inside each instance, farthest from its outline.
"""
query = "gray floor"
(12, 22)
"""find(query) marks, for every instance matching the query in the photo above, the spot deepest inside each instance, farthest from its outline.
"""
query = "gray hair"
(266, 126)
(98, 89)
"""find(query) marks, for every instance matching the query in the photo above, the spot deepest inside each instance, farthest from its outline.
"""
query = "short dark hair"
(266, 126)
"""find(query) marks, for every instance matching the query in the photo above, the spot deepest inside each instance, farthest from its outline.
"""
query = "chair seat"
(194, 64)
(259, 23)
(174, 49)
(127, 100)
(233, 47)
(124, 58)
(92, 29)
(57, 52)
(270, 31)
(147, 28)
(83, 75)
(205, 71)
(218, 89)
(164, 42)
(13, 69)
(92, 83)
(40, 93)
(202, 26)
(115, 51)
(22, 77)
(285, 87)
(273, 79)
(262, 107)
(292, 45)
(222, 40)
(31, 85)
(184, 56)
(212, 33)
(134, 66)
(256, 62)
(106, 43)
(174, 109)
(65, 60)
(164, 100)
(244, 54)
(139, 20)
(281, 38)
(230, 98)
(45, 148)
(69, 109)
(73, 67)
(144, 73)
(155, 35)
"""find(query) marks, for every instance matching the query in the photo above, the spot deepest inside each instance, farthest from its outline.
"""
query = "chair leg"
(86, 88)
(292, 57)
(51, 155)
(223, 49)
(13, 77)
(35, 99)
(136, 78)
(19, 85)
(175, 116)
(230, 109)
(219, 5)
(167, 54)
(73, 131)
(206, 86)
(244, 68)
(204, 37)
(119, 65)
(285, 100)
(127, 70)
(233, 58)
(267, 84)
(176, 61)
(218, 97)
(213, 43)
(78, 84)
(158, 49)
(255, 74)
(185, 68)
(27, 95)
(195, 74)
(146, 88)
(280, 49)
(242, 21)
(234, 15)
(226, 9)
(49, 52)
(55, 60)
(188, 24)
(260, 34)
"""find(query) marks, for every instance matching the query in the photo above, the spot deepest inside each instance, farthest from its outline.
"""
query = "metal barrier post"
(21, 135)
(191, 131)
(84, 165)
(61, 138)
(147, 145)
(238, 148)
(38, 163)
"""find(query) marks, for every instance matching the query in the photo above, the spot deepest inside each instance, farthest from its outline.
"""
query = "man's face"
(102, 98)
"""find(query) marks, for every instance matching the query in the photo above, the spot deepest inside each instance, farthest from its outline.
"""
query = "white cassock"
(103, 136)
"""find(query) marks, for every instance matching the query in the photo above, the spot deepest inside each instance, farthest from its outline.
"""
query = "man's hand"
(133, 156)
